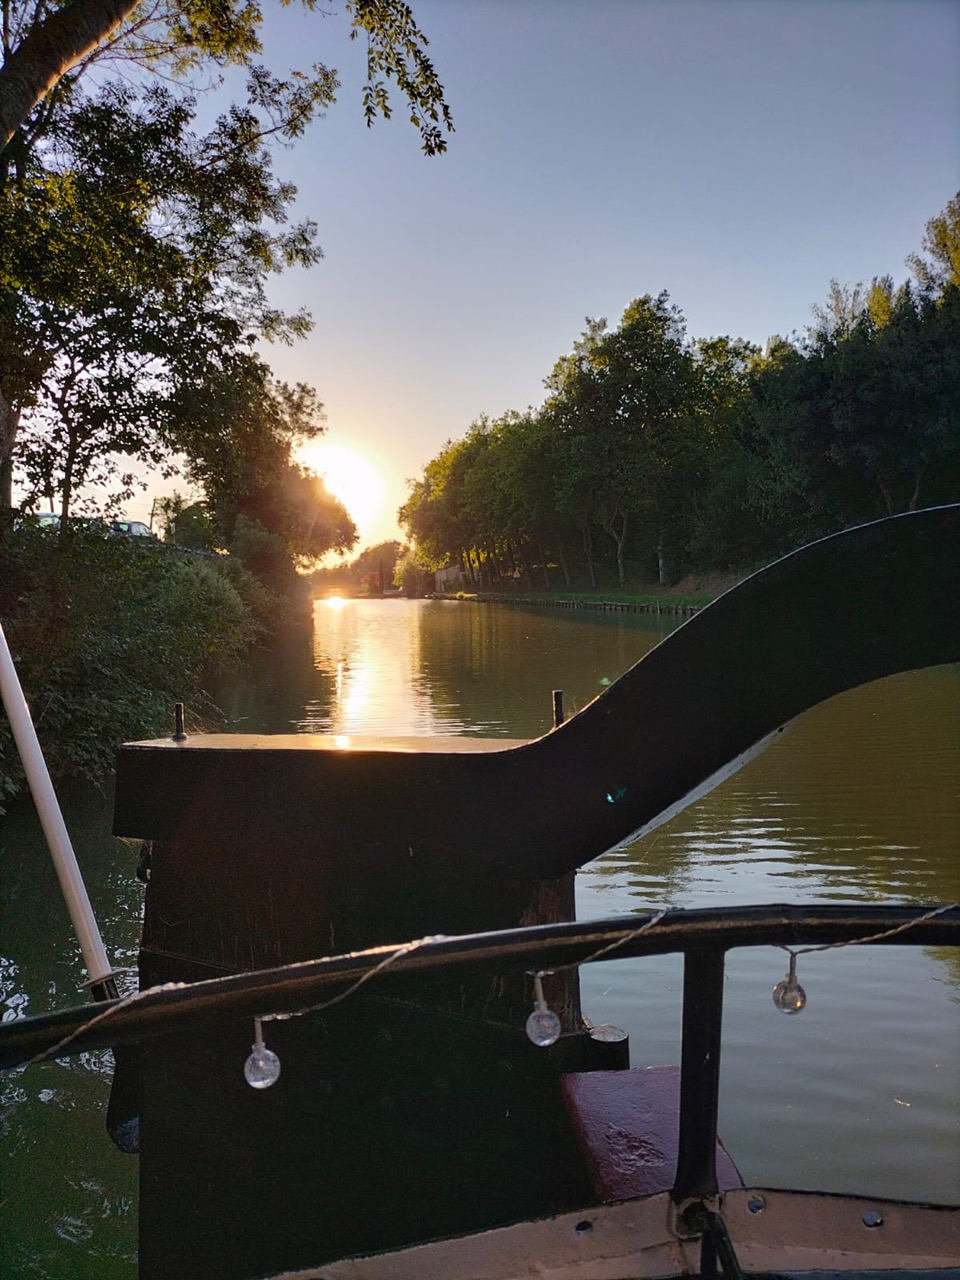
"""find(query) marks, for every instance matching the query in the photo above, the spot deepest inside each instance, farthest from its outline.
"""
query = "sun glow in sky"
(357, 482)
(737, 154)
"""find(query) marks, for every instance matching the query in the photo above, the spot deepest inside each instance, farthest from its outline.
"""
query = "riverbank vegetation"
(107, 634)
(137, 247)
(656, 454)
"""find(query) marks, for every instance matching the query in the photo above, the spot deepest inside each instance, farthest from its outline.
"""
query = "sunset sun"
(351, 478)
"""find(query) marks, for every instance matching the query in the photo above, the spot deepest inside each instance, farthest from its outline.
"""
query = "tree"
(275, 515)
(624, 401)
(865, 419)
(784, 424)
(895, 399)
(629, 443)
(940, 270)
(132, 282)
(721, 528)
(187, 524)
(107, 634)
(704, 452)
(434, 515)
(372, 564)
(59, 41)
(87, 183)
(45, 45)
(410, 576)
(844, 306)
(527, 484)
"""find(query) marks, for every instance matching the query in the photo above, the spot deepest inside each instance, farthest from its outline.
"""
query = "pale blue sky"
(738, 153)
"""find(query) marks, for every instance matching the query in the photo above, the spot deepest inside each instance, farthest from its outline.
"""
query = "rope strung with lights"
(262, 1067)
(790, 997)
(543, 1027)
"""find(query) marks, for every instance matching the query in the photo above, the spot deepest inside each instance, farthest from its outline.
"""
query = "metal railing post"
(696, 1178)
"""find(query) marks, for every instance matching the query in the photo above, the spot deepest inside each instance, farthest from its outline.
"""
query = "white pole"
(51, 819)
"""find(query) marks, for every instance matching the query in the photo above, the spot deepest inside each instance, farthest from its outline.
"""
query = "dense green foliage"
(107, 634)
(655, 454)
(135, 253)
(48, 45)
(133, 283)
(410, 576)
(262, 507)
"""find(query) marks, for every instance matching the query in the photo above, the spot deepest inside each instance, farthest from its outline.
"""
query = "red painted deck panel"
(627, 1123)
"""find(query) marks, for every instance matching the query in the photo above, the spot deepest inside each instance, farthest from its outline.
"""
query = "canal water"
(859, 801)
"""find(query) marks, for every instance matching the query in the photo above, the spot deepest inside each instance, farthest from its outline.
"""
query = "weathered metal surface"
(795, 1233)
(627, 1123)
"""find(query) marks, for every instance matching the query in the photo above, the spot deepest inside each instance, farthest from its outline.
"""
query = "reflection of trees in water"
(858, 800)
(269, 693)
(949, 958)
(494, 667)
(464, 667)
(648, 873)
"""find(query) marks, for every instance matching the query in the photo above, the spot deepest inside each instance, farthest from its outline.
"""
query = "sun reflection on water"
(369, 651)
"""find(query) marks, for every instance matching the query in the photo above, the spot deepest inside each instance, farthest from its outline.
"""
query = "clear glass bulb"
(262, 1067)
(788, 995)
(543, 1027)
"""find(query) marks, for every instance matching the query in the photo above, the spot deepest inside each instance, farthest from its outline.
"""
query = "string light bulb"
(262, 1067)
(543, 1025)
(788, 995)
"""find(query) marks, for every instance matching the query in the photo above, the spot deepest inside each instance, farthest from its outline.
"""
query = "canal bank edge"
(687, 597)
